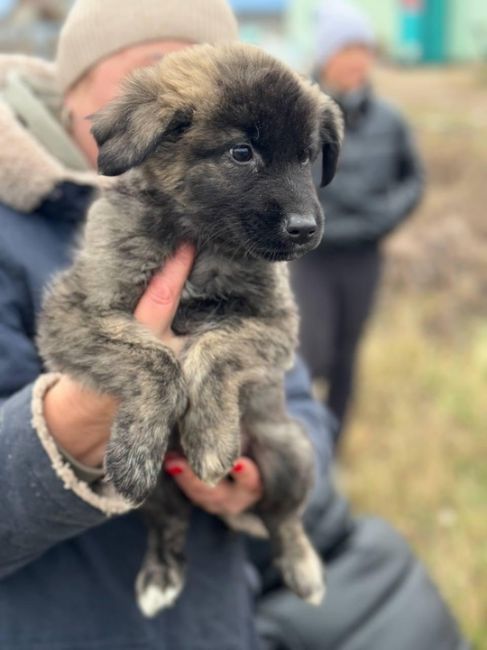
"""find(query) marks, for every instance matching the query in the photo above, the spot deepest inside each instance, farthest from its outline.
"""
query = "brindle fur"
(168, 139)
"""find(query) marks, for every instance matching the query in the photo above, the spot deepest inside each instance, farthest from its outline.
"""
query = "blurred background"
(416, 447)
(410, 31)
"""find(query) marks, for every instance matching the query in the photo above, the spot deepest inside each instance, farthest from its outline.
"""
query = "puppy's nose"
(301, 227)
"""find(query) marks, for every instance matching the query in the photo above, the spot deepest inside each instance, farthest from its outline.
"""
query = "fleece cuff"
(102, 495)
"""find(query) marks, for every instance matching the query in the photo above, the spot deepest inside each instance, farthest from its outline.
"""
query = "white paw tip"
(212, 469)
(317, 597)
(153, 599)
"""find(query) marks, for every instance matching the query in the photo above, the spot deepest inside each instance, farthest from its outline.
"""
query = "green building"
(428, 31)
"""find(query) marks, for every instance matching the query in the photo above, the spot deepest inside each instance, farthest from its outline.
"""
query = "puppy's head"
(230, 134)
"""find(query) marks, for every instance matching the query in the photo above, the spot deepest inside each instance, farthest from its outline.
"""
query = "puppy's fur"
(177, 137)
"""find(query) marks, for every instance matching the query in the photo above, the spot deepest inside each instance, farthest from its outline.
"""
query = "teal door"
(423, 35)
(434, 32)
(411, 31)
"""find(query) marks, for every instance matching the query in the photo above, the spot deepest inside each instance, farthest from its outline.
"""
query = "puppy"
(212, 146)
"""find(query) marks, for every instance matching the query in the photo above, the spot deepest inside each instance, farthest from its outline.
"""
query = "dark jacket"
(379, 179)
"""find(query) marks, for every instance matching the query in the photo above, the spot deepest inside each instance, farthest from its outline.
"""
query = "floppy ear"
(131, 128)
(332, 130)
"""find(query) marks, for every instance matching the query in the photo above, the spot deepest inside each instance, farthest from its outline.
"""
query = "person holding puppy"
(70, 546)
(379, 182)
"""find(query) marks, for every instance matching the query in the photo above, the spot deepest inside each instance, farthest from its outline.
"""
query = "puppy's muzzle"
(301, 228)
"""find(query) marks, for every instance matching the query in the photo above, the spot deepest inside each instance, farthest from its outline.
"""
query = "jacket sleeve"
(371, 217)
(43, 502)
(327, 517)
(318, 422)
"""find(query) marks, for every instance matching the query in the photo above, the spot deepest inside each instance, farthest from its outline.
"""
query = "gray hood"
(36, 155)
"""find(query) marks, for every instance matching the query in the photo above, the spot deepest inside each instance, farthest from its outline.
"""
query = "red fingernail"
(174, 470)
(238, 467)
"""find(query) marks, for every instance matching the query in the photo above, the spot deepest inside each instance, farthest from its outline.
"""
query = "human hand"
(230, 497)
(80, 419)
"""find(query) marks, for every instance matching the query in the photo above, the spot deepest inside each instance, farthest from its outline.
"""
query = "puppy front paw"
(212, 465)
(134, 455)
(211, 452)
(134, 470)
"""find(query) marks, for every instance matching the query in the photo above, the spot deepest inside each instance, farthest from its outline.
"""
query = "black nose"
(301, 228)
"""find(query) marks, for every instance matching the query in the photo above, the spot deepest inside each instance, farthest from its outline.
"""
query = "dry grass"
(417, 445)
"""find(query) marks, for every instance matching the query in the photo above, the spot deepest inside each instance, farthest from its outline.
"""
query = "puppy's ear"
(331, 132)
(130, 128)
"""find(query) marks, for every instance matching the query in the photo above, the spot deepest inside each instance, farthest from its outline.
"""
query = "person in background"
(378, 184)
(70, 547)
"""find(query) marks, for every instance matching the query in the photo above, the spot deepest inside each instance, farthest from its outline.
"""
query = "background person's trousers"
(335, 291)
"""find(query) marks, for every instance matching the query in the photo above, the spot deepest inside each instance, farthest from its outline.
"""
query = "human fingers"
(228, 497)
(158, 305)
(246, 476)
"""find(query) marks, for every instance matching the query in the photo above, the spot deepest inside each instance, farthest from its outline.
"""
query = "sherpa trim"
(21, 157)
(104, 497)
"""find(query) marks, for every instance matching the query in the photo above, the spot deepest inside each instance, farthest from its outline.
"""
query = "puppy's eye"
(242, 153)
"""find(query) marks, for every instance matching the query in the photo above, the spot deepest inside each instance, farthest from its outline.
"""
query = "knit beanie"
(95, 29)
(339, 25)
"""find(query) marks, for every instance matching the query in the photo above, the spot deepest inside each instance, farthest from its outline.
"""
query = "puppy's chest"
(217, 290)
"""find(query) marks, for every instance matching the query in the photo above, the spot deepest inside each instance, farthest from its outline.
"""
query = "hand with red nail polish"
(230, 497)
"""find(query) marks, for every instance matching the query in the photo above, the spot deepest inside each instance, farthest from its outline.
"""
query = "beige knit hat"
(94, 29)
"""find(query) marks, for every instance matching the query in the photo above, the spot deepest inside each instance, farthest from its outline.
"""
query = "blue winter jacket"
(380, 175)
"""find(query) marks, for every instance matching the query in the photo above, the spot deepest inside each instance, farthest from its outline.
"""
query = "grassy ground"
(417, 445)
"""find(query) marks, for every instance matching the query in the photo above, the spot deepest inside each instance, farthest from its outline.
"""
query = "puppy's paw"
(211, 467)
(304, 575)
(135, 452)
(211, 453)
(158, 588)
(134, 470)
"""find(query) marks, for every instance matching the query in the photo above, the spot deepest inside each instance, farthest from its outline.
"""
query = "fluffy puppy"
(214, 146)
